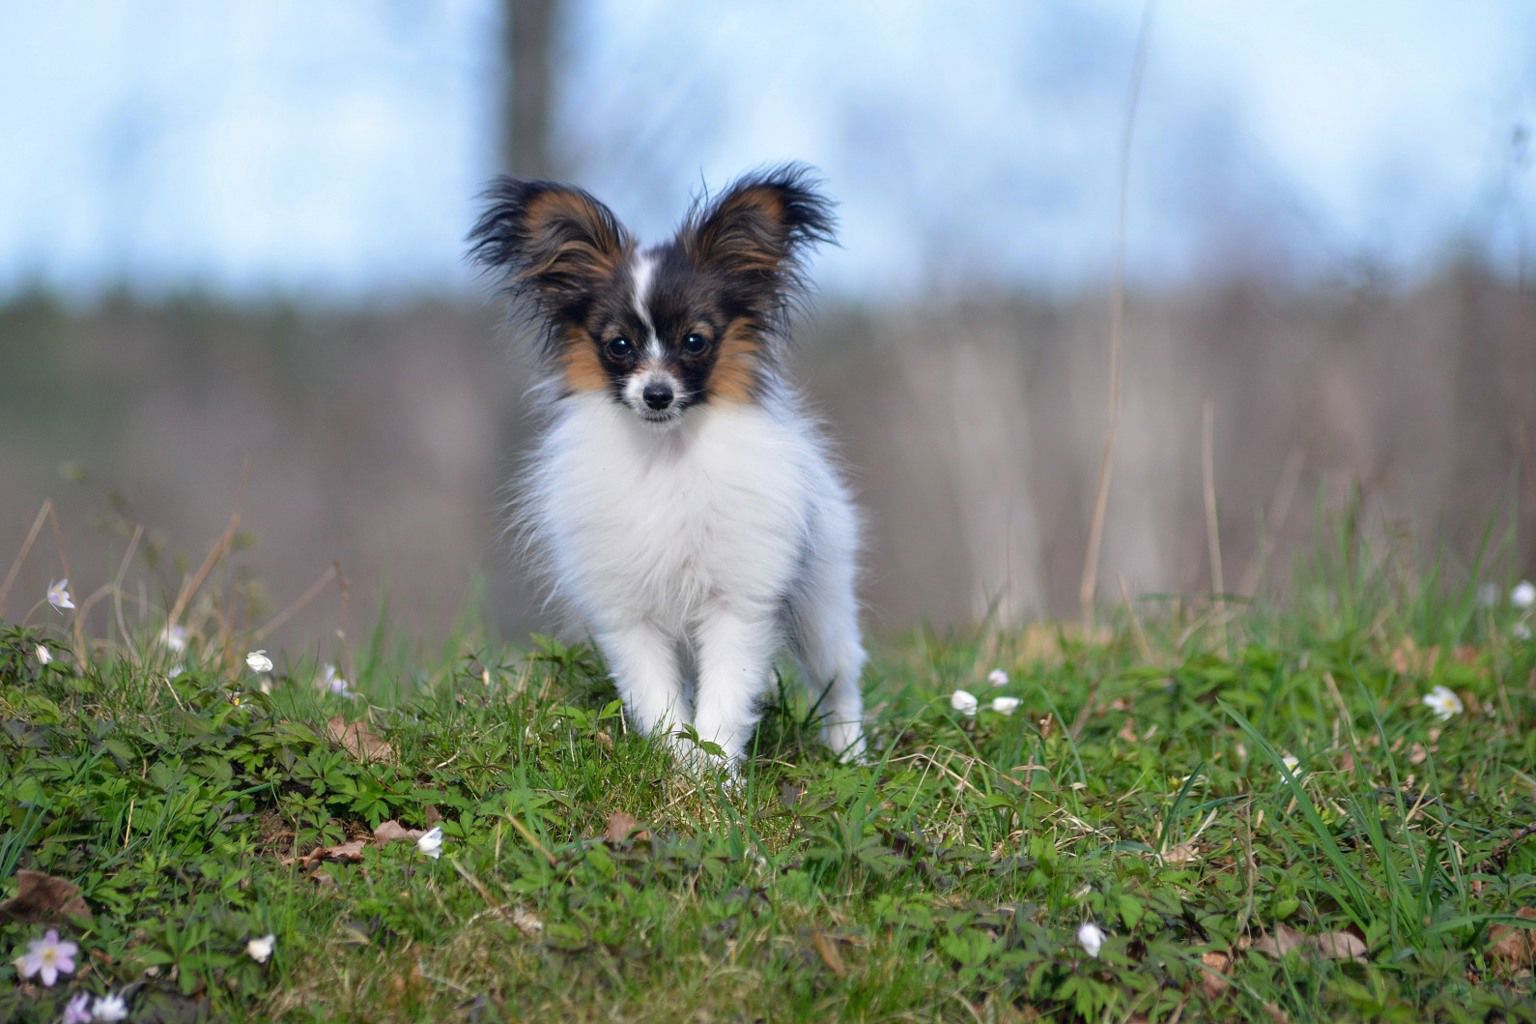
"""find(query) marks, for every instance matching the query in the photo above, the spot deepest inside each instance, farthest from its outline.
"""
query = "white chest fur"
(666, 523)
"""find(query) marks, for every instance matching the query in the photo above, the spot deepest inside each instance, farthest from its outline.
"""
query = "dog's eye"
(619, 349)
(695, 345)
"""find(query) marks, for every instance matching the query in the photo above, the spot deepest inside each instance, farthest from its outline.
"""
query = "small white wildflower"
(58, 595)
(261, 949)
(48, 958)
(431, 842)
(997, 677)
(174, 638)
(1292, 764)
(44, 655)
(258, 661)
(109, 1007)
(77, 1010)
(1524, 594)
(175, 670)
(330, 679)
(1443, 702)
(265, 684)
(1005, 705)
(963, 702)
(1091, 937)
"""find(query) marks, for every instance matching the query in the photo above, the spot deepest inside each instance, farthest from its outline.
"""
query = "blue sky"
(334, 150)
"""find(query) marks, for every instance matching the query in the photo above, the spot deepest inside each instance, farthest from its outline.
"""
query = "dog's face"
(667, 328)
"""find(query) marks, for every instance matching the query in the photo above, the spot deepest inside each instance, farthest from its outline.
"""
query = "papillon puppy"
(683, 501)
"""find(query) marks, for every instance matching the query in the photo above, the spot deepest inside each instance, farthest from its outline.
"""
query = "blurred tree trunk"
(527, 51)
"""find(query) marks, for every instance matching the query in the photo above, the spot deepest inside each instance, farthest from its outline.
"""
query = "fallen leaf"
(1213, 982)
(603, 740)
(357, 740)
(1328, 946)
(392, 831)
(351, 852)
(1513, 947)
(827, 950)
(622, 827)
(1339, 946)
(41, 897)
(1128, 731)
(1417, 754)
(1184, 853)
(527, 922)
(1282, 941)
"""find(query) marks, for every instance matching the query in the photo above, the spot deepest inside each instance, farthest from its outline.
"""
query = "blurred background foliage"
(232, 276)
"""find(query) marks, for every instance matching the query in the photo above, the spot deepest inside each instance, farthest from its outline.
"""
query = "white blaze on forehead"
(643, 270)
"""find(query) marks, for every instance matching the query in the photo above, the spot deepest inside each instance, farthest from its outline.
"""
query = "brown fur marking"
(747, 231)
(572, 232)
(578, 361)
(734, 375)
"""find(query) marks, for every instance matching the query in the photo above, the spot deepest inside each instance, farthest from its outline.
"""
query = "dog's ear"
(761, 227)
(553, 242)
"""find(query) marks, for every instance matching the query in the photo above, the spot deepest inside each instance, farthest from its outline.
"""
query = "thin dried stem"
(26, 549)
(1089, 584)
(1212, 525)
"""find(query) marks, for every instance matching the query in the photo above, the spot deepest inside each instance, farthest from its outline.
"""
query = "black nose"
(657, 396)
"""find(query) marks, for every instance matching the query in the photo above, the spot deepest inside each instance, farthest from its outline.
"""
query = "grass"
(1140, 785)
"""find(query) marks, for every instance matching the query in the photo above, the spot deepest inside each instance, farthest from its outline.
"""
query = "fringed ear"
(554, 243)
(760, 229)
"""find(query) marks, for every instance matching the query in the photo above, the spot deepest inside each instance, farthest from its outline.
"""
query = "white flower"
(1292, 765)
(1521, 631)
(174, 637)
(78, 1010)
(963, 702)
(431, 843)
(1524, 594)
(47, 957)
(997, 677)
(258, 661)
(175, 670)
(330, 679)
(44, 655)
(109, 1007)
(1443, 702)
(58, 595)
(1091, 937)
(260, 949)
(1005, 705)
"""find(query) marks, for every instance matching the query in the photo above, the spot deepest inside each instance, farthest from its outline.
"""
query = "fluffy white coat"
(695, 553)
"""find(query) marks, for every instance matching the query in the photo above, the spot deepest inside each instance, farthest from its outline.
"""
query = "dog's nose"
(657, 396)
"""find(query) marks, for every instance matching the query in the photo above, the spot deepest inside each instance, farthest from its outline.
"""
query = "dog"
(684, 503)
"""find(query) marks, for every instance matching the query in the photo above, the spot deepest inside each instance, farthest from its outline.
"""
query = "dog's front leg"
(643, 660)
(735, 652)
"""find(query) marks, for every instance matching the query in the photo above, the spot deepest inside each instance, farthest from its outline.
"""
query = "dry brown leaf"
(1417, 754)
(1282, 941)
(351, 852)
(1128, 731)
(41, 897)
(1339, 946)
(603, 740)
(1329, 946)
(1512, 947)
(1213, 983)
(622, 827)
(1183, 853)
(357, 740)
(392, 831)
(826, 948)
(527, 922)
